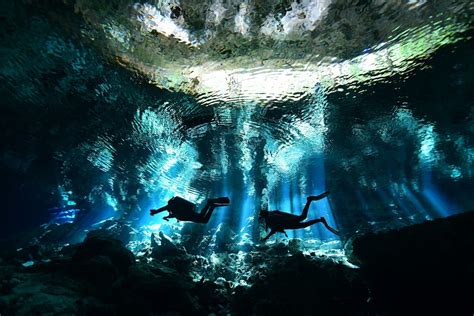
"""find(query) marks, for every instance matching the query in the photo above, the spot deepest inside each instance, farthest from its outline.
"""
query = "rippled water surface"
(111, 108)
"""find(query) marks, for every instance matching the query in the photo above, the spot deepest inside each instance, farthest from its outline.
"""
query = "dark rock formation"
(299, 285)
(147, 288)
(111, 250)
(101, 276)
(165, 248)
(425, 268)
(44, 242)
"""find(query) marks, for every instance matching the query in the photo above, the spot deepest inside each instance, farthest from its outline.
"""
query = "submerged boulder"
(165, 247)
(115, 228)
(101, 260)
(43, 243)
(102, 245)
(301, 285)
(151, 289)
(425, 267)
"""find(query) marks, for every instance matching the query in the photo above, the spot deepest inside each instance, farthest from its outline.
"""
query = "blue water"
(91, 134)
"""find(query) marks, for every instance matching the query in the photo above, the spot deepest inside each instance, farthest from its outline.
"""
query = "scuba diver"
(278, 221)
(183, 210)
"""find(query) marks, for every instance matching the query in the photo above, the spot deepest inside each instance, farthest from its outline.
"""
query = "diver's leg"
(207, 212)
(221, 201)
(310, 199)
(318, 197)
(269, 235)
(161, 209)
(303, 224)
(304, 214)
(312, 222)
(211, 204)
(325, 223)
(203, 216)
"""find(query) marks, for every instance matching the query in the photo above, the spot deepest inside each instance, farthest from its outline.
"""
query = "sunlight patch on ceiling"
(160, 21)
(270, 83)
(244, 52)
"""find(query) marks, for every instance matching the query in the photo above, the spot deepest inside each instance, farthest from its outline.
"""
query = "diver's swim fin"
(318, 197)
(222, 201)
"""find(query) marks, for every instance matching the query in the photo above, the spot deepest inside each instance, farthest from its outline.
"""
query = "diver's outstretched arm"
(269, 235)
(161, 209)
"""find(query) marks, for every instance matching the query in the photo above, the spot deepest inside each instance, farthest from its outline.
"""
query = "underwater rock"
(57, 233)
(295, 244)
(98, 270)
(37, 291)
(280, 249)
(117, 229)
(426, 267)
(194, 240)
(146, 289)
(92, 306)
(212, 298)
(414, 266)
(226, 239)
(165, 247)
(300, 285)
(101, 277)
(7, 284)
(42, 243)
(97, 245)
(43, 304)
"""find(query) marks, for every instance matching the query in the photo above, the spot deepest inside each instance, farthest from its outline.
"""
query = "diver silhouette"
(278, 221)
(183, 210)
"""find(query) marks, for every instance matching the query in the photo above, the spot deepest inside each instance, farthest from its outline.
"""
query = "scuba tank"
(177, 203)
